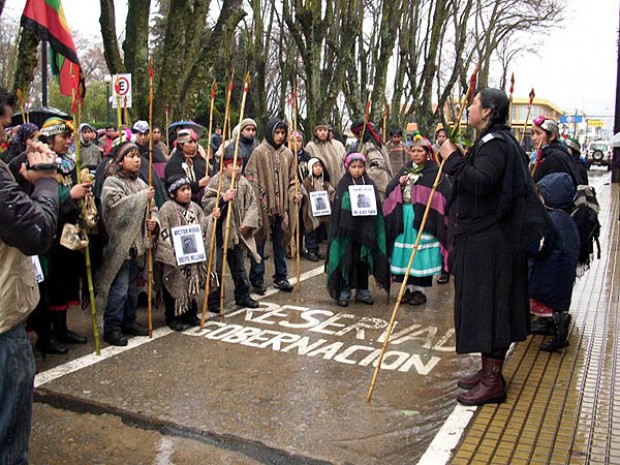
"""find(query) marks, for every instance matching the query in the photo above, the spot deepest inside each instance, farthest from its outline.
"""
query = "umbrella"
(615, 140)
(38, 115)
(188, 124)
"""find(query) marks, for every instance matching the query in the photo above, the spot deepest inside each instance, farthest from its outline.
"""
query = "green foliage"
(94, 107)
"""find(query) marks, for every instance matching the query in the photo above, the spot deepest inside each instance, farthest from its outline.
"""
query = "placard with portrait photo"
(189, 246)
(319, 201)
(363, 201)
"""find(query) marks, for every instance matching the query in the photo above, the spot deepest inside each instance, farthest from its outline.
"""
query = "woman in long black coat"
(494, 215)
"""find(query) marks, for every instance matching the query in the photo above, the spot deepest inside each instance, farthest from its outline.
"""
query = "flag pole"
(149, 256)
(246, 86)
(213, 92)
(211, 253)
(403, 286)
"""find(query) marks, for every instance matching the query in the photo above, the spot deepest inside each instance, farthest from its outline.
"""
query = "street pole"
(108, 80)
(615, 173)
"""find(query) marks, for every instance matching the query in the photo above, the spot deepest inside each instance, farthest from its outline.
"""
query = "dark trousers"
(235, 259)
(123, 298)
(313, 238)
(257, 270)
(17, 370)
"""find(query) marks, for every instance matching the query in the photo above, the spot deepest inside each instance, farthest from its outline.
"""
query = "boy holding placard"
(181, 253)
(316, 209)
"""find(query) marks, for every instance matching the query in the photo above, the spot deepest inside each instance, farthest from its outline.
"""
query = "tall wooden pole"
(297, 205)
(211, 253)
(149, 255)
(233, 179)
(527, 116)
(77, 115)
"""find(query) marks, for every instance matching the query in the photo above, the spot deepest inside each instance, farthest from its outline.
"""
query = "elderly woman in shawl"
(403, 210)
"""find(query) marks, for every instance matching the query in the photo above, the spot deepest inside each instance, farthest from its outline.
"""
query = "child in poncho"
(315, 227)
(245, 220)
(403, 210)
(181, 283)
(356, 243)
(125, 201)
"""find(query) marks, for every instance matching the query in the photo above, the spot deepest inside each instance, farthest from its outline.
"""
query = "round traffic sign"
(121, 86)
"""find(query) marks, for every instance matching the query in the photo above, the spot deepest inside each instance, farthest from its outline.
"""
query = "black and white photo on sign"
(319, 201)
(363, 201)
(188, 244)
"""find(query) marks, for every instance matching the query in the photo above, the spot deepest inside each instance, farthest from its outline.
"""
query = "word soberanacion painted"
(322, 335)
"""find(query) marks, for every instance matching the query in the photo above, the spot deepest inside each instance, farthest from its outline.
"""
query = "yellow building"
(518, 114)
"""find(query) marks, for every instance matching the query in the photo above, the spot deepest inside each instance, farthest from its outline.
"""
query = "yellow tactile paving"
(563, 408)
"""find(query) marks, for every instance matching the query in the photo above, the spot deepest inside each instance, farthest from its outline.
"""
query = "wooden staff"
(246, 86)
(213, 92)
(297, 205)
(149, 255)
(166, 111)
(89, 274)
(527, 116)
(403, 286)
(217, 202)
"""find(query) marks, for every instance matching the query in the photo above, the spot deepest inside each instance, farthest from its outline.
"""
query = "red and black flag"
(46, 19)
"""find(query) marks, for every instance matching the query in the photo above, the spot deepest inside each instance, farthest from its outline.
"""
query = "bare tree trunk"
(112, 53)
(136, 53)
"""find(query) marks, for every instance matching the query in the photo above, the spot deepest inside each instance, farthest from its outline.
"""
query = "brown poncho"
(124, 206)
(332, 155)
(271, 172)
(183, 283)
(245, 211)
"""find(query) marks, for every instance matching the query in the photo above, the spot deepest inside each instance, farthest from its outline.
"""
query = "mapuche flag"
(47, 20)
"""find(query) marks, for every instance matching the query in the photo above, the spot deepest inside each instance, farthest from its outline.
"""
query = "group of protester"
(509, 252)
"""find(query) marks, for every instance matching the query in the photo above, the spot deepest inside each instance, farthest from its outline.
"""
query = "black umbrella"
(187, 124)
(38, 115)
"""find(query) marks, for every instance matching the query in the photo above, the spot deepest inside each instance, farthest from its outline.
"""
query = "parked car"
(599, 153)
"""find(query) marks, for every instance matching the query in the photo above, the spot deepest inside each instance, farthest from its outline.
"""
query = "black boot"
(542, 325)
(562, 322)
(61, 332)
(50, 346)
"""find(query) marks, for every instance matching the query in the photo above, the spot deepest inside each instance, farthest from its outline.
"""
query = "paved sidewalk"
(562, 408)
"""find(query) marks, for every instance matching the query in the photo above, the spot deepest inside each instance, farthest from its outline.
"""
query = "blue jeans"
(257, 270)
(123, 298)
(16, 386)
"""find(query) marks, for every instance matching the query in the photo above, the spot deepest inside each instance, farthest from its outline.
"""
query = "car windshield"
(601, 147)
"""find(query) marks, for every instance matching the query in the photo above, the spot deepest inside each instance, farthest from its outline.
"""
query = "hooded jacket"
(553, 265)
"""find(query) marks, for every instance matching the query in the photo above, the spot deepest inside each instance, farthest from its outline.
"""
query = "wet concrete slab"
(289, 379)
(63, 436)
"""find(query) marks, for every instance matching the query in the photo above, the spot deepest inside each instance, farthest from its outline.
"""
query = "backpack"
(585, 215)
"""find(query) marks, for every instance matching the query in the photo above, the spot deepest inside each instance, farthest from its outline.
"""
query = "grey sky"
(575, 69)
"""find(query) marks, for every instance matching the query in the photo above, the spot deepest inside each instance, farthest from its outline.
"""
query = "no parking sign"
(121, 90)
